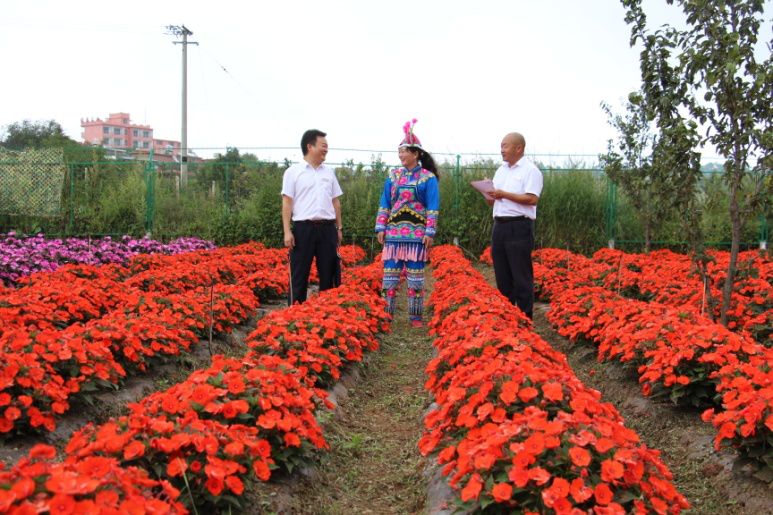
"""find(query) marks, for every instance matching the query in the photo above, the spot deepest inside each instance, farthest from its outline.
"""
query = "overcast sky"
(263, 72)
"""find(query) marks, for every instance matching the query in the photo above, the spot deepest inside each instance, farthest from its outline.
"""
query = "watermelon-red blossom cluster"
(676, 351)
(84, 327)
(671, 279)
(240, 416)
(36, 484)
(513, 425)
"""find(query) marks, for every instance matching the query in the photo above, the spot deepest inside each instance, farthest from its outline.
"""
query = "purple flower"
(20, 256)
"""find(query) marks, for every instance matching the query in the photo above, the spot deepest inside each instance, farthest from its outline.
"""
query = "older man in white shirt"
(310, 200)
(517, 188)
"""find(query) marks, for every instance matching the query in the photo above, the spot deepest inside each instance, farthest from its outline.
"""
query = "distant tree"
(28, 134)
(629, 163)
(44, 134)
(710, 72)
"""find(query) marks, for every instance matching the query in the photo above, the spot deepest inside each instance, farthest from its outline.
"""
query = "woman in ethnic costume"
(406, 222)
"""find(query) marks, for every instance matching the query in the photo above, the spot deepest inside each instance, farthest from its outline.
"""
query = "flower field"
(84, 327)
(21, 256)
(676, 351)
(513, 426)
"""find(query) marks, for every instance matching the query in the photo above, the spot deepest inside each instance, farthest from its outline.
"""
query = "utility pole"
(182, 30)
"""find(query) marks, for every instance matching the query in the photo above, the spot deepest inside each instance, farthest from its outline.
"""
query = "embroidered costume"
(407, 212)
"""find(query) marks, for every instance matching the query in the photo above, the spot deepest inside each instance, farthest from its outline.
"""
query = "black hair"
(427, 161)
(310, 138)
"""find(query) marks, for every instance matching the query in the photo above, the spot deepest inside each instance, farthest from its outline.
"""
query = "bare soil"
(373, 465)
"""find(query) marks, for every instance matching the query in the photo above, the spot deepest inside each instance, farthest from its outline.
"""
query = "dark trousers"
(511, 245)
(312, 240)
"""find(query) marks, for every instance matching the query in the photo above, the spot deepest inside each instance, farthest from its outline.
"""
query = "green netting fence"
(31, 182)
(234, 201)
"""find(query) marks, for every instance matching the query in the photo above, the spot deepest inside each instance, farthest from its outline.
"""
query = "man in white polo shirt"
(310, 192)
(517, 187)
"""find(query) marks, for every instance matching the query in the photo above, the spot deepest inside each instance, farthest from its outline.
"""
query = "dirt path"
(373, 465)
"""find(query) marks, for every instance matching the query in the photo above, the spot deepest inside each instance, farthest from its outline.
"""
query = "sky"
(263, 72)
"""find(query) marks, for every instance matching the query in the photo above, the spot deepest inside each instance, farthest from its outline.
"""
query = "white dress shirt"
(522, 177)
(312, 190)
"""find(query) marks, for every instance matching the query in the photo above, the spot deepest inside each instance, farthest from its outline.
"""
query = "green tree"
(630, 164)
(710, 71)
(47, 134)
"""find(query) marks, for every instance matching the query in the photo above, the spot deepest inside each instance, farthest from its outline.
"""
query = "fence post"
(763, 232)
(150, 194)
(71, 221)
(227, 188)
(457, 183)
(611, 212)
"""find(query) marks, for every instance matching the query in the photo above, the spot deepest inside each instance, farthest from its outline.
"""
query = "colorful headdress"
(410, 139)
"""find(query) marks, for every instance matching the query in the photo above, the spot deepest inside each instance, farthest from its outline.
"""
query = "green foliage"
(570, 200)
(710, 70)
(119, 204)
(49, 134)
(635, 168)
(112, 198)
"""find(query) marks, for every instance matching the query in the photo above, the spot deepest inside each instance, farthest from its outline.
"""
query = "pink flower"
(406, 194)
(431, 222)
(411, 292)
(391, 292)
(402, 180)
(382, 219)
(405, 231)
(419, 233)
(393, 232)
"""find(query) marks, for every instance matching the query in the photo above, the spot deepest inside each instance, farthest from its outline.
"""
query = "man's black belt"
(315, 222)
(510, 218)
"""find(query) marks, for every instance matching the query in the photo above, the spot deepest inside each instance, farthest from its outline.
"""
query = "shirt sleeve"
(288, 184)
(337, 191)
(384, 205)
(432, 206)
(533, 183)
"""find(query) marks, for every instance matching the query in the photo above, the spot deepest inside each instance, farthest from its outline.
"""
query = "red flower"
(611, 470)
(214, 485)
(473, 488)
(61, 504)
(580, 456)
(502, 492)
(234, 484)
(603, 494)
(553, 391)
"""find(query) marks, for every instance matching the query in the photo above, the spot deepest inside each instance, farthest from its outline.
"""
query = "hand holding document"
(484, 186)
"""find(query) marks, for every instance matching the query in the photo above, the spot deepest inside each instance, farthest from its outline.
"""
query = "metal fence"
(40, 192)
(31, 182)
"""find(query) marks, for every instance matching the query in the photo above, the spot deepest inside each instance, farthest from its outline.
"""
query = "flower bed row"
(239, 417)
(159, 306)
(671, 279)
(512, 423)
(79, 293)
(22, 256)
(676, 353)
(41, 370)
(124, 329)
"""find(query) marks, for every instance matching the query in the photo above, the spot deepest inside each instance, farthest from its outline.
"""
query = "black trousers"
(511, 245)
(312, 240)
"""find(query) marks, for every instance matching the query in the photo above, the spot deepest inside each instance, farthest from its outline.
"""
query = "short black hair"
(310, 138)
